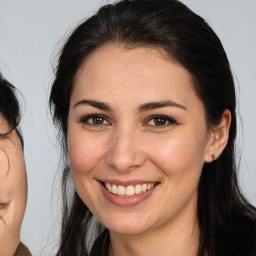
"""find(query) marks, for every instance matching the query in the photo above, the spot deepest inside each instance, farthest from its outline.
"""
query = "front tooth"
(130, 191)
(108, 186)
(121, 190)
(144, 187)
(148, 186)
(138, 189)
(151, 185)
(114, 189)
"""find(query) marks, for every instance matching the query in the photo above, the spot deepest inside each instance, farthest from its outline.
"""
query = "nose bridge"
(125, 152)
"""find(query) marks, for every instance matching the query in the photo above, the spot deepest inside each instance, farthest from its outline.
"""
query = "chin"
(128, 225)
(127, 230)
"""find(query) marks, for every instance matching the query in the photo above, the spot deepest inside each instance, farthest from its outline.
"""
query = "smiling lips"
(129, 190)
(127, 194)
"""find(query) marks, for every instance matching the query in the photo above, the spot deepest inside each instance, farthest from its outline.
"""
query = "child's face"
(13, 189)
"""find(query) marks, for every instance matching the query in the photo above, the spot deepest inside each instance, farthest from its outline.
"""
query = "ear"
(218, 138)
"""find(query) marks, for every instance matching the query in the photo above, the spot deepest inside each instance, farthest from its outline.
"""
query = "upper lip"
(127, 183)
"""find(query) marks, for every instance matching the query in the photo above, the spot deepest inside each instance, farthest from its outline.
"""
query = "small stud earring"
(213, 157)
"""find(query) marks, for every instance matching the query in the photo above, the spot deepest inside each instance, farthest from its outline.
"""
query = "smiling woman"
(126, 147)
(145, 102)
(13, 179)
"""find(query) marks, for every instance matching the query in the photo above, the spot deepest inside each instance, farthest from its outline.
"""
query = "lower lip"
(126, 200)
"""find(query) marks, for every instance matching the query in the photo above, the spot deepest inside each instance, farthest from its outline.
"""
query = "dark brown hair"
(225, 217)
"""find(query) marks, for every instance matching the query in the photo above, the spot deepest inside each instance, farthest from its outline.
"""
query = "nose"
(125, 152)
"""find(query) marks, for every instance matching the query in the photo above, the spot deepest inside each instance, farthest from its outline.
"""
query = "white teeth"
(114, 189)
(144, 187)
(138, 189)
(129, 190)
(121, 190)
(108, 186)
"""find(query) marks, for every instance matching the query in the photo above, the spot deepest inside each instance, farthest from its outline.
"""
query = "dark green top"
(22, 250)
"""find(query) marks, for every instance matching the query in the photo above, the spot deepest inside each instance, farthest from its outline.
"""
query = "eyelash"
(160, 117)
(154, 118)
(94, 116)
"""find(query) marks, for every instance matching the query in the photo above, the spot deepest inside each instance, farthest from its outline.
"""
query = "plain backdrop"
(31, 34)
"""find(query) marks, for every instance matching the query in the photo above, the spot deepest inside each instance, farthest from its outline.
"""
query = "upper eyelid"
(171, 121)
(168, 118)
(86, 117)
(161, 116)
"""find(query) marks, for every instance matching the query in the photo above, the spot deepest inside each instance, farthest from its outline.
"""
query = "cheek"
(3, 164)
(21, 201)
(19, 189)
(18, 177)
(14, 192)
(178, 154)
(84, 153)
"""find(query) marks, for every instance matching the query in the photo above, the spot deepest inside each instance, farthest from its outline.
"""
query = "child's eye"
(160, 121)
(95, 120)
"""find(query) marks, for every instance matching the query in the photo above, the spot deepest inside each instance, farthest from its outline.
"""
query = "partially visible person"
(13, 179)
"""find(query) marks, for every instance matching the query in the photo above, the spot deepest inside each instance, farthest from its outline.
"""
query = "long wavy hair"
(224, 215)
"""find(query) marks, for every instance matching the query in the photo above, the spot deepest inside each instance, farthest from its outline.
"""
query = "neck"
(178, 238)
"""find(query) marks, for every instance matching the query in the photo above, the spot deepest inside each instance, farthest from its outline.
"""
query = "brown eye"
(95, 120)
(160, 121)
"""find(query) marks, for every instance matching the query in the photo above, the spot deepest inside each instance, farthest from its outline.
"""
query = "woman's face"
(13, 188)
(137, 139)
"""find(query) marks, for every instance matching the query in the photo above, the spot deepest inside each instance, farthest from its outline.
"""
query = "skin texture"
(13, 190)
(129, 145)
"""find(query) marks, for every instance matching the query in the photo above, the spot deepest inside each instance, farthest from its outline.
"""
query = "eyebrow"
(161, 104)
(93, 103)
(141, 108)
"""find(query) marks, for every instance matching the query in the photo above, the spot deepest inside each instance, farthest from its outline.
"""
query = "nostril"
(125, 161)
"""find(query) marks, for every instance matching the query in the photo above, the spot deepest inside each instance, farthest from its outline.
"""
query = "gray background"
(32, 32)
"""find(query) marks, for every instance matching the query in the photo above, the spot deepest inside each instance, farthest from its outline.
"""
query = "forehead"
(10, 147)
(7, 136)
(114, 73)
(139, 61)
(4, 126)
